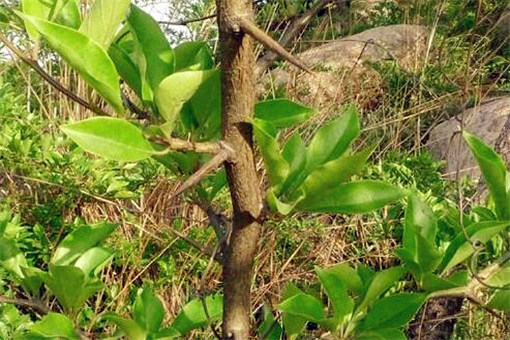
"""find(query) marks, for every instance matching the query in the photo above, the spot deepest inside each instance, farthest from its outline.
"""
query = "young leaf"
(55, 325)
(84, 55)
(11, 258)
(103, 20)
(332, 173)
(460, 249)
(493, 170)
(277, 167)
(294, 153)
(275, 204)
(333, 139)
(282, 113)
(36, 8)
(148, 311)
(305, 306)
(336, 290)
(352, 197)
(177, 89)
(293, 324)
(381, 282)
(69, 15)
(193, 315)
(79, 241)
(501, 300)
(193, 56)
(128, 326)
(269, 329)
(93, 260)
(419, 219)
(70, 287)
(112, 138)
(392, 311)
(157, 54)
(382, 334)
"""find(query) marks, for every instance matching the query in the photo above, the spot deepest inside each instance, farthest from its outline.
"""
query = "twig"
(290, 33)
(140, 114)
(52, 81)
(177, 144)
(188, 21)
(248, 27)
(38, 307)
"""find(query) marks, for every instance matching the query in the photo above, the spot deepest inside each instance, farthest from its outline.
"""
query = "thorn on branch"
(259, 35)
(186, 22)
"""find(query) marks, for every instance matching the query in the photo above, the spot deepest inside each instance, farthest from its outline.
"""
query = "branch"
(290, 34)
(38, 307)
(52, 81)
(205, 170)
(256, 33)
(186, 22)
(177, 144)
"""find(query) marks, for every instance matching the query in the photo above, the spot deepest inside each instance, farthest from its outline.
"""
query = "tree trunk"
(238, 99)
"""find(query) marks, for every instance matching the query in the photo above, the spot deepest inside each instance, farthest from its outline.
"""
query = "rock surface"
(489, 121)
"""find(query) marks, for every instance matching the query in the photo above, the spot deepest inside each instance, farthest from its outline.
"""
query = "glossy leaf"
(103, 20)
(55, 325)
(353, 197)
(282, 113)
(80, 241)
(70, 287)
(382, 334)
(294, 153)
(148, 311)
(112, 138)
(193, 315)
(392, 311)
(94, 260)
(177, 89)
(336, 289)
(158, 56)
(128, 326)
(493, 170)
(69, 15)
(193, 56)
(84, 55)
(381, 282)
(36, 8)
(269, 329)
(460, 249)
(330, 174)
(305, 306)
(333, 139)
(501, 300)
(277, 167)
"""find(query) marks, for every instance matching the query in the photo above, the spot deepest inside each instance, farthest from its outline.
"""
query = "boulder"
(490, 121)
(341, 68)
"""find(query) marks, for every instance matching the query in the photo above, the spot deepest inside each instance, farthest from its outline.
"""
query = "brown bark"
(238, 99)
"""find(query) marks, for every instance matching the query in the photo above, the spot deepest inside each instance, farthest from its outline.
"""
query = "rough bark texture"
(238, 92)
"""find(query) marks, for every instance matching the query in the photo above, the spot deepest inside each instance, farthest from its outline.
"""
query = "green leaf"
(148, 311)
(353, 197)
(419, 219)
(32, 280)
(294, 153)
(381, 282)
(177, 89)
(158, 56)
(293, 324)
(305, 306)
(79, 241)
(84, 55)
(11, 258)
(275, 204)
(392, 311)
(55, 325)
(333, 139)
(193, 56)
(348, 275)
(330, 174)
(336, 290)
(382, 334)
(206, 107)
(277, 167)
(103, 20)
(193, 315)
(432, 283)
(501, 277)
(109, 137)
(282, 113)
(70, 287)
(168, 333)
(69, 15)
(126, 68)
(501, 300)
(269, 329)
(94, 260)
(493, 170)
(36, 8)
(460, 249)
(128, 326)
